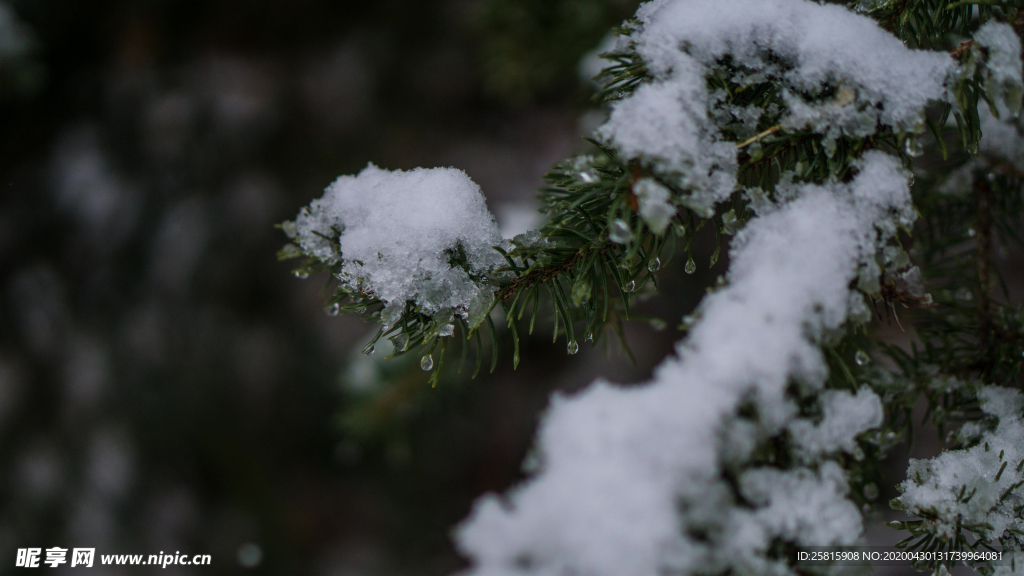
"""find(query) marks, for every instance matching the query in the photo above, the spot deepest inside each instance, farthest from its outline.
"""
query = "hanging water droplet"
(654, 265)
(369, 350)
(972, 148)
(427, 362)
(680, 230)
(590, 337)
(691, 266)
(631, 286)
(971, 232)
(572, 347)
(729, 222)
(333, 309)
(861, 358)
(581, 292)
(658, 324)
(301, 274)
(401, 342)
(912, 146)
(870, 491)
(620, 232)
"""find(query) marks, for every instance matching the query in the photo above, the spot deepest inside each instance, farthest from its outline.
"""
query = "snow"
(655, 205)
(672, 123)
(632, 479)
(395, 233)
(1012, 565)
(845, 416)
(1002, 143)
(936, 484)
(1003, 65)
(1001, 140)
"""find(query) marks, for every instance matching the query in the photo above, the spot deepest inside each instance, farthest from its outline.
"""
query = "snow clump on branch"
(839, 73)
(423, 237)
(977, 487)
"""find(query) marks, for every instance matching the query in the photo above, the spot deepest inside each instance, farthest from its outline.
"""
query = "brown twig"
(529, 280)
(958, 52)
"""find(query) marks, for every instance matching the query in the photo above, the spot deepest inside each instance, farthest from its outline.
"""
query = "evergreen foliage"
(774, 137)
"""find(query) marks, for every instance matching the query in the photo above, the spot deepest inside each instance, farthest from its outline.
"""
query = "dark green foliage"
(590, 278)
(531, 47)
(935, 24)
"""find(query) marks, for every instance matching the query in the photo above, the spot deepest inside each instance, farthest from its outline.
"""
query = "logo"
(31, 557)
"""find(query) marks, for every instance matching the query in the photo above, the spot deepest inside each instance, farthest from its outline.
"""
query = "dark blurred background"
(165, 383)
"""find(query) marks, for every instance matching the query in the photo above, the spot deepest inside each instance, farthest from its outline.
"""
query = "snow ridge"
(634, 480)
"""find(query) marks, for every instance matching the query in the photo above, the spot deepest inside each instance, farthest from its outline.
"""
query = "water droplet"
(658, 324)
(581, 292)
(912, 146)
(427, 362)
(991, 176)
(971, 232)
(590, 337)
(861, 358)
(654, 265)
(870, 491)
(359, 310)
(401, 342)
(369, 350)
(572, 347)
(972, 148)
(620, 232)
(588, 176)
(729, 222)
(301, 274)
(333, 309)
(631, 286)
(890, 435)
(691, 266)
